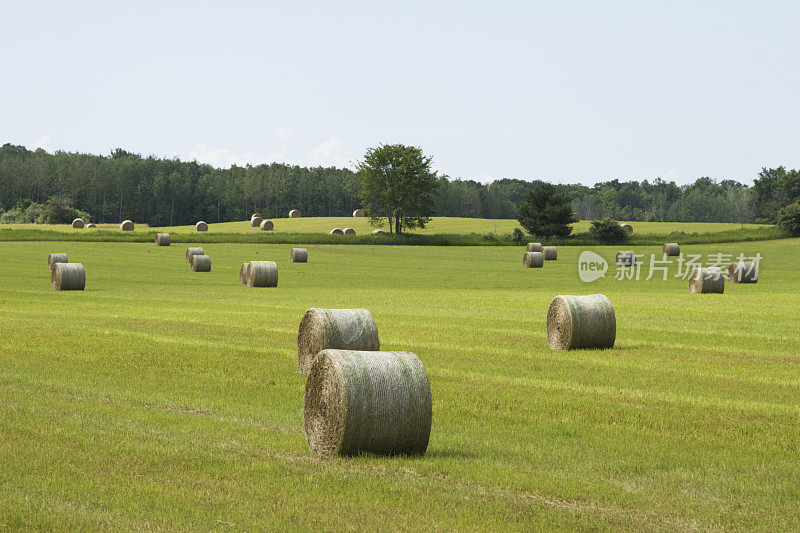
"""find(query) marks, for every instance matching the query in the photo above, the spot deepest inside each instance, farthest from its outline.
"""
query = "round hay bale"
(243, 273)
(339, 329)
(671, 249)
(581, 322)
(336, 231)
(706, 280)
(190, 252)
(254, 215)
(294, 213)
(627, 227)
(358, 213)
(68, 277)
(90, 225)
(363, 401)
(56, 258)
(299, 255)
(77, 223)
(262, 274)
(534, 247)
(267, 225)
(349, 231)
(201, 263)
(127, 225)
(256, 222)
(377, 231)
(743, 272)
(162, 239)
(550, 253)
(575, 217)
(201, 226)
(626, 258)
(533, 260)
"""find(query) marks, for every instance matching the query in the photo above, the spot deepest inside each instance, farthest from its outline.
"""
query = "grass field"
(159, 398)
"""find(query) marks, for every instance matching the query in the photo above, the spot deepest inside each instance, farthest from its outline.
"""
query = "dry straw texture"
(626, 258)
(201, 226)
(243, 273)
(256, 215)
(68, 277)
(299, 255)
(340, 329)
(361, 401)
(201, 263)
(627, 227)
(77, 223)
(90, 225)
(349, 231)
(533, 260)
(550, 253)
(706, 280)
(192, 252)
(358, 213)
(127, 225)
(162, 239)
(262, 274)
(377, 231)
(581, 322)
(671, 249)
(294, 213)
(256, 221)
(743, 272)
(534, 247)
(52, 259)
(267, 225)
(336, 231)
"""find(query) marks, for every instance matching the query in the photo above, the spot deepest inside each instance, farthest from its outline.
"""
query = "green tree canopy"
(545, 212)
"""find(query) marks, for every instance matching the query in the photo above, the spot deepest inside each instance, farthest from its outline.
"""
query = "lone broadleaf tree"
(396, 183)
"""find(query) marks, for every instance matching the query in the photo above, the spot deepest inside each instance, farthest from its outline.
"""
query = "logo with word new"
(591, 266)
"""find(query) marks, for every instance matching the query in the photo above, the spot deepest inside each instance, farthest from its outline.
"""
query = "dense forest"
(163, 192)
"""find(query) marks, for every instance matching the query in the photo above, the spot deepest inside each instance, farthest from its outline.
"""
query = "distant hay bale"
(575, 217)
(77, 223)
(256, 221)
(533, 260)
(190, 252)
(127, 225)
(349, 231)
(201, 226)
(299, 255)
(340, 329)
(68, 277)
(365, 401)
(358, 213)
(743, 272)
(294, 213)
(267, 225)
(534, 247)
(626, 258)
(671, 249)
(336, 231)
(706, 280)
(162, 239)
(254, 215)
(90, 225)
(201, 263)
(627, 227)
(56, 258)
(377, 231)
(550, 253)
(262, 274)
(243, 273)
(581, 322)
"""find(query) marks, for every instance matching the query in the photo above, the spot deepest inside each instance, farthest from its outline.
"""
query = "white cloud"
(328, 153)
(284, 132)
(670, 175)
(43, 142)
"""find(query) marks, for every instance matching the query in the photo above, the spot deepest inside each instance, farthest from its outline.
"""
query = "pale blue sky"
(561, 91)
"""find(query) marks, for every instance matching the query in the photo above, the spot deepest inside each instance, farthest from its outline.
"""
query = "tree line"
(162, 191)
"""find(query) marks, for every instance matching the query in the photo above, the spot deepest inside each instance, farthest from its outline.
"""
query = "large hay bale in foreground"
(294, 213)
(256, 221)
(126, 225)
(192, 252)
(349, 231)
(336, 231)
(299, 255)
(358, 213)
(362, 401)
(743, 272)
(627, 227)
(90, 225)
(201, 263)
(267, 225)
(377, 231)
(340, 329)
(533, 260)
(201, 226)
(262, 274)
(243, 273)
(534, 247)
(77, 223)
(162, 239)
(52, 259)
(671, 249)
(550, 253)
(706, 280)
(68, 277)
(626, 258)
(581, 322)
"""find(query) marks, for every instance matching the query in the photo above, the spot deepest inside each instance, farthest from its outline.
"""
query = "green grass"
(159, 398)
